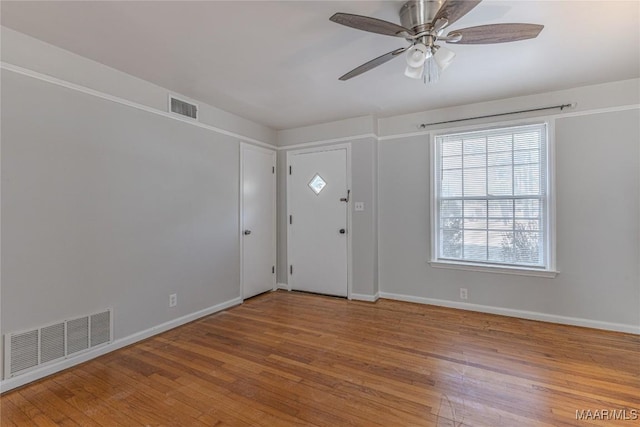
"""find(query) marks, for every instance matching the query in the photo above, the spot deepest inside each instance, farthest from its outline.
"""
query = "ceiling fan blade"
(372, 25)
(373, 63)
(452, 10)
(439, 24)
(496, 33)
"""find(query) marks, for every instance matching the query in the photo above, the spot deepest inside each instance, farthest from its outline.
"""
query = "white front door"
(258, 220)
(318, 206)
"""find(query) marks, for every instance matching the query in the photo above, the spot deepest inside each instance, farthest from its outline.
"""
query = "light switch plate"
(359, 206)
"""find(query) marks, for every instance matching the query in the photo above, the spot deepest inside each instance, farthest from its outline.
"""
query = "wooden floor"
(286, 358)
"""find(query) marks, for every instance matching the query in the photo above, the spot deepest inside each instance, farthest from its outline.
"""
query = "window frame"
(549, 270)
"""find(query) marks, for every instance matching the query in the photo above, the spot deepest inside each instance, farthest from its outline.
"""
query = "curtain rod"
(561, 107)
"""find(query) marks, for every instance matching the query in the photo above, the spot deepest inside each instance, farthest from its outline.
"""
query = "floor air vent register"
(27, 350)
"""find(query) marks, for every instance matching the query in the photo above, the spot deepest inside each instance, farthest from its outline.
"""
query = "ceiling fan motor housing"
(419, 14)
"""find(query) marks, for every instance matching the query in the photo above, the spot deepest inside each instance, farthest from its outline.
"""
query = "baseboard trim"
(523, 314)
(37, 374)
(282, 286)
(365, 297)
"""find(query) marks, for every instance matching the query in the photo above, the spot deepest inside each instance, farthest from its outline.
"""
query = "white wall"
(586, 99)
(364, 154)
(33, 54)
(109, 205)
(598, 231)
(105, 206)
(598, 218)
(347, 129)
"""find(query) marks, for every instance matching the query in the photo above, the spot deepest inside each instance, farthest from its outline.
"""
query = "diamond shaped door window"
(317, 184)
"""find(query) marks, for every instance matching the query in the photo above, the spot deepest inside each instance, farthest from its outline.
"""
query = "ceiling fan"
(423, 25)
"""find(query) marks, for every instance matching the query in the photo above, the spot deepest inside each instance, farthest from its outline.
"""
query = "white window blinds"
(491, 197)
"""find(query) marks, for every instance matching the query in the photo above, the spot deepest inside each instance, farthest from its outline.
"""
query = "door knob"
(342, 231)
(247, 232)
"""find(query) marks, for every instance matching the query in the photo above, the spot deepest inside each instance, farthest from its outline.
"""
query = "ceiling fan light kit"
(444, 57)
(417, 54)
(414, 72)
(423, 24)
(416, 57)
(431, 71)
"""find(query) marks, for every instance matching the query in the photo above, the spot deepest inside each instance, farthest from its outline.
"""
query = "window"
(491, 198)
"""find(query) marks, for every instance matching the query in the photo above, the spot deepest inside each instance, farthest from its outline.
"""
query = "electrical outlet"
(359, 206)
(463, 293)
(173, 300)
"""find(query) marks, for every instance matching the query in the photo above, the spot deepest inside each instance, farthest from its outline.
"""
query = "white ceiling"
(278, 62)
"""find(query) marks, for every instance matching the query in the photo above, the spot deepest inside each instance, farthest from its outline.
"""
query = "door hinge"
(290, 219)
(289, 170)
(273, 269)
(291, 269)
(273, 169)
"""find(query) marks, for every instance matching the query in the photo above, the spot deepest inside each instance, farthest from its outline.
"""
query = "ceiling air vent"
(183, 108)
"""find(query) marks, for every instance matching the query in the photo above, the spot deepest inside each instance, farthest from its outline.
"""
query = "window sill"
(519, 271)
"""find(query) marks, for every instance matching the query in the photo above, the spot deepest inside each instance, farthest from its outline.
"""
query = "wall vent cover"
(77, 335)
(52, 342)
(27, 350)
(183, 108)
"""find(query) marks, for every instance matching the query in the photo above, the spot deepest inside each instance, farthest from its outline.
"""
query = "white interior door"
(317, 247)
(258, 220)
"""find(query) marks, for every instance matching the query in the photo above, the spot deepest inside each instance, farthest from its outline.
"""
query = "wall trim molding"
(428, 131)
(327, 141)
(37, 374)
(555, 116)
(522, 314)
(365, 297)
(88, 91)
(59, 82)
(597, 111)
(282, 286)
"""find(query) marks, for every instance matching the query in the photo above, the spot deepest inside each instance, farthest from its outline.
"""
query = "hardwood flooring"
(284, 359)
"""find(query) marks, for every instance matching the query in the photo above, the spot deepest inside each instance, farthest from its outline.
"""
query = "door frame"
(290, 154)
(246, 146)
